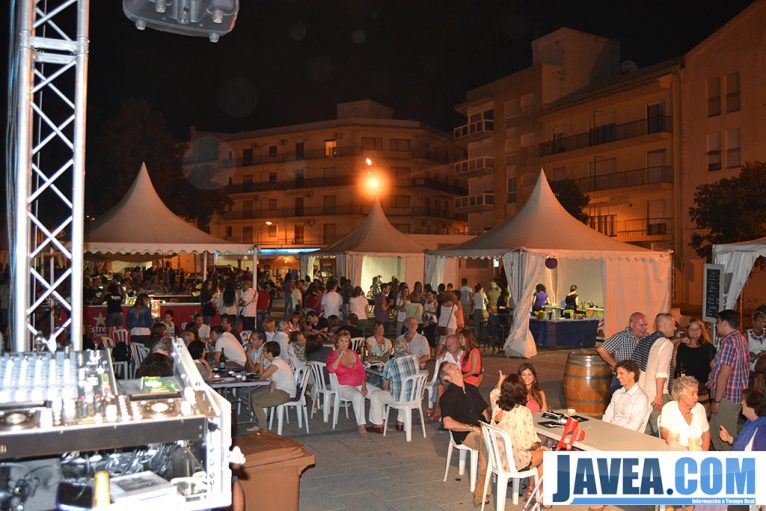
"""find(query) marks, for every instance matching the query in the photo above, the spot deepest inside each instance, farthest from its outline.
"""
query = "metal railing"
(474, 165)
(627, 178)
(474, 128)
(297, 184)
(608, 133)
(479, 201)
(336, 211)
(643, 227)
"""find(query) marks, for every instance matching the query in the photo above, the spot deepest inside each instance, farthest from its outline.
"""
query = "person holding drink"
(683, 420)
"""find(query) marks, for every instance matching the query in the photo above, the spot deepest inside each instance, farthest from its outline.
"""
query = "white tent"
(737, 260)
(141, 225)
(375, 247)
(624, 278)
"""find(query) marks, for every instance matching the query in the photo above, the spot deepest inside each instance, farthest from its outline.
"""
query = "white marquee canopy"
(737, 260)
(141, 225)
(375, 247)
(626, 278)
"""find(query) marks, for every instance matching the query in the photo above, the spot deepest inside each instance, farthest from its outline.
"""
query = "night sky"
(291, 61)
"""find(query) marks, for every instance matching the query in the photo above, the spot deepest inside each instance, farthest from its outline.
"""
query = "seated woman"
(507, 402)
(683, 420)
(470, 361)
(378, 347)
(281, 388)
(752, 436)
(348, 367)
(536, 400)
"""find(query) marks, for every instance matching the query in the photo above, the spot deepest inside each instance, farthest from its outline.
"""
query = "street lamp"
(373, 182)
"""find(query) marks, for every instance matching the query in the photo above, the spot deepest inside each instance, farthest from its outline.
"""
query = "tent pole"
(204, 266)
(255, 268)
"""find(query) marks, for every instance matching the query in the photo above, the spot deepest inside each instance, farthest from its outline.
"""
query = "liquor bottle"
(222, 362)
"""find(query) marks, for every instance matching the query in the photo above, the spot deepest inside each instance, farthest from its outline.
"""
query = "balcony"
(480, 202)
(645, 228)
(335, 211)
(292, 184)
(608, 133)
(474, 166)
(481, 127)
(625, 179)
(421, 182)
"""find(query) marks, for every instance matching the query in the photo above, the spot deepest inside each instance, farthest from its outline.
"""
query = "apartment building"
(503, 129)
(617, 141)
(724, 126)
(300, 186)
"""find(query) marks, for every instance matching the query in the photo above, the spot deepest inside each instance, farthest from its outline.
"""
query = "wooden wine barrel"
(586, 382)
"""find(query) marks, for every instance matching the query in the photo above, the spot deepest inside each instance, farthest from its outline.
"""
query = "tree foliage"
(571, 198)
(138, 134)
(730, 210)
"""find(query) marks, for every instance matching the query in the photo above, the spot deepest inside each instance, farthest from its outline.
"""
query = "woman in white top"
(447, 324)
(378, 346)
(479, 311)
(358, 304)
(281, 388)
(683, 421)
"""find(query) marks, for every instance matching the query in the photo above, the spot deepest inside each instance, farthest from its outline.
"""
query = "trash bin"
(271, 474)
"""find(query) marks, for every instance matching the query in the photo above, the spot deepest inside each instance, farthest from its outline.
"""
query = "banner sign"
(652, 478)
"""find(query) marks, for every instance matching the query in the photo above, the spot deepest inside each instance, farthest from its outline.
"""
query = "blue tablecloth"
(564, 332)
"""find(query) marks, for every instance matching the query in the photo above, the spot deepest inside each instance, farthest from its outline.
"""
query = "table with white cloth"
(603, 436)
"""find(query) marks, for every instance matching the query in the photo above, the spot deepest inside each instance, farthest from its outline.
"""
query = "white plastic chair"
(410, 398)
(338, 400)
(433, 382)
(500, 464)
(320, 388)
(357, 343)
(301, 377)
(121, 335)
(463, 451)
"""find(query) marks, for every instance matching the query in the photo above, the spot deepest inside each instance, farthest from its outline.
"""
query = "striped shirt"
(733, 353)
(641, 353)
(621, 345)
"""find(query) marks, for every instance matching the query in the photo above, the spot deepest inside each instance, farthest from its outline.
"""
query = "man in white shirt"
(332, 301)
(227, 344)
(248, 302)
(255, 360)
(629, 405)
(654, 381)
(414, 343)
(203, 330)
(270, 327)
(452, 355)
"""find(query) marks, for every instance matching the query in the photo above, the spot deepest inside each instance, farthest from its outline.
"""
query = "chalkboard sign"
(712, 301)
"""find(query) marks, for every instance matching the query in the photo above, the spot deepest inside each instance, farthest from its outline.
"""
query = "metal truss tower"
(46, 199)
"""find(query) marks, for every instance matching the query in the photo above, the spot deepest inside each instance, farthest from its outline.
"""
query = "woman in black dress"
(693, 356)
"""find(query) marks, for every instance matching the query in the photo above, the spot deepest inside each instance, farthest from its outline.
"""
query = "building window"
(732, 92)
(299, 206)
(399, 145)
(300, 149)
(228, 232)
(714, 96)
(714, 151)
(733, 151)
(330, 233)
(247, 235)
(247, 156)
(272, 151)
(330, 148)
(605, 224)
(511, 190)
(272, 178)
(247, 182)
(372, 143)
(298, 234)
(247, 209)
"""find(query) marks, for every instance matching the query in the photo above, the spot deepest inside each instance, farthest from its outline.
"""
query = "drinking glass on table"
(695, 443)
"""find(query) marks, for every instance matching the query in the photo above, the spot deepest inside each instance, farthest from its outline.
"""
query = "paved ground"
(388, 473)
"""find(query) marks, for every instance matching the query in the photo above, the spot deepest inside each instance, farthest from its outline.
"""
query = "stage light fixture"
(198, 18)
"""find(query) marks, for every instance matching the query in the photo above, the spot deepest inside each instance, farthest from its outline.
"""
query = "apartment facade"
(724, 126)
(503, 128)
(302, 186)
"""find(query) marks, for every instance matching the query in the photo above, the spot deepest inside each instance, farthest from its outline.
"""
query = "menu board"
(712, 300)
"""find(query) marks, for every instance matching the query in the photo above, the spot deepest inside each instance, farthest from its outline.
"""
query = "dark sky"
(290, 61)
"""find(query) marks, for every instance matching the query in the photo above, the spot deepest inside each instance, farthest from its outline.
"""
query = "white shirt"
(465, 295)
(673, 420)
(284, 343)
(358, 305)
(250, 301)
(231, 347)
(658, 366)
(283, 377)
(203, 332)
(480, 301)
(331, 304)
(628, 408)
(418, 345)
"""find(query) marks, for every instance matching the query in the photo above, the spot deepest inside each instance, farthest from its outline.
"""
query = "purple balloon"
(551, 263)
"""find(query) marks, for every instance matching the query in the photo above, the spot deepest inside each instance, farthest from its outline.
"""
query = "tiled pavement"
(387, 473)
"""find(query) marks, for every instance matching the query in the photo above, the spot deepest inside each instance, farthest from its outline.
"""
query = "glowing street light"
(373, 184)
